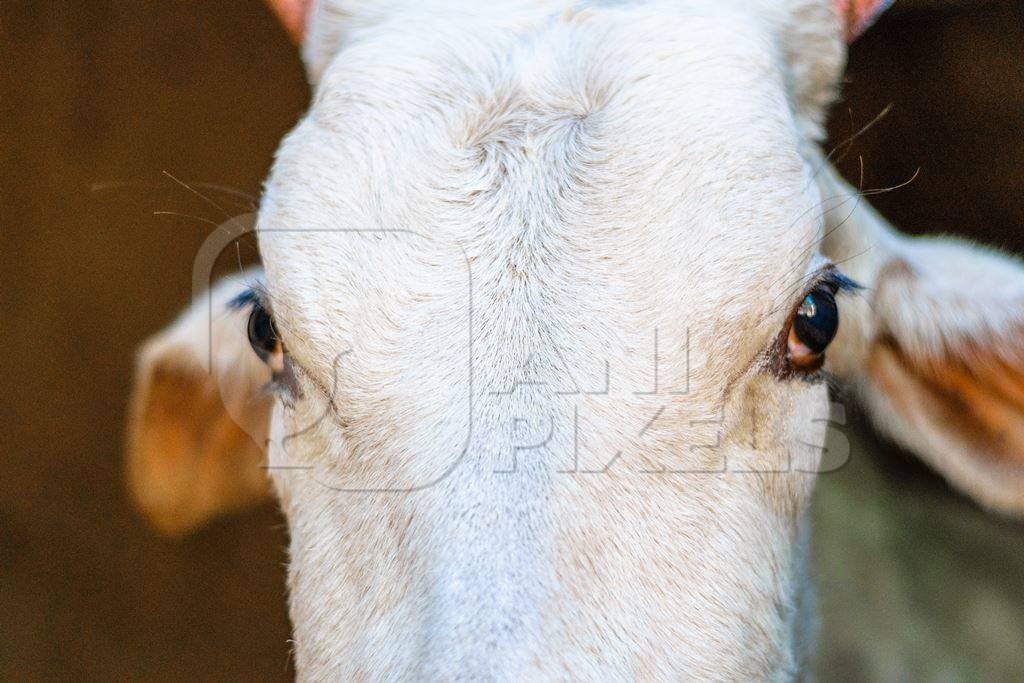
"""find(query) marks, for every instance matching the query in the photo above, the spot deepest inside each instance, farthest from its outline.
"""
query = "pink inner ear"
(292, 15)
(859, 14)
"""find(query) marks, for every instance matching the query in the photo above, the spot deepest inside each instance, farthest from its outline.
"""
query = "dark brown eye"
(814, 326)
(264, 339)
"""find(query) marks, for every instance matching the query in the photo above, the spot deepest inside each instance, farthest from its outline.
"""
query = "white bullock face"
(535, 288)
(550, 294)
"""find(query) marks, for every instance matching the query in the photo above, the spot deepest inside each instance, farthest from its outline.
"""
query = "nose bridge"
(491, 543)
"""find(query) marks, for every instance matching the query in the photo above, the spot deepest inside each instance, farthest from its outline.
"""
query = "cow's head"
(550, 290)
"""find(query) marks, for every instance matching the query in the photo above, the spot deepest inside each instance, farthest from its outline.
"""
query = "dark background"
(101, 99)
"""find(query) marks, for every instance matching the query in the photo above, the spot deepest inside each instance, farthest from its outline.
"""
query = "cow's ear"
(198, 417)
(321, 27)
(293, 15)
(934, 346)
(811, 37)
(858, 15)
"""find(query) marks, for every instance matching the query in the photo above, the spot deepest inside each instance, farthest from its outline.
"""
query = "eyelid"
(824, 272)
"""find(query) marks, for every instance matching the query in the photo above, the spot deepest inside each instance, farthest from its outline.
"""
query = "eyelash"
(838, 282)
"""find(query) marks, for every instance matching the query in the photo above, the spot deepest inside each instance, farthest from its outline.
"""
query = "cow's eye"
(814, 326)
(264, 338)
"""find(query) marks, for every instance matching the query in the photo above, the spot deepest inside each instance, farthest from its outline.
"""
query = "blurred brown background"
(99, 98)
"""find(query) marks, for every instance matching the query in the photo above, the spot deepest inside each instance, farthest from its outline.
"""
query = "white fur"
(491, 469)
(601, 171)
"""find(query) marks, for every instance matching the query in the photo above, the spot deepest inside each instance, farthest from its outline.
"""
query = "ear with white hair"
(934, 347)
(322, 26)
(812, 37)
(199, 416)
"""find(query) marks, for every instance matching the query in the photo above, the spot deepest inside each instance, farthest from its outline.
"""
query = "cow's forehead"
(620, 172)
